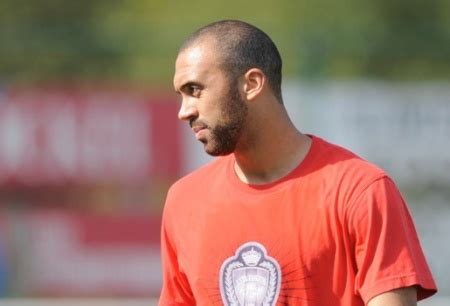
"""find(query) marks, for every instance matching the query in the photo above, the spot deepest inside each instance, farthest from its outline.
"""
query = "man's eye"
(194, 91)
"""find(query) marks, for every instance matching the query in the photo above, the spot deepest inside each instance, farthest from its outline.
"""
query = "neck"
(271, 152)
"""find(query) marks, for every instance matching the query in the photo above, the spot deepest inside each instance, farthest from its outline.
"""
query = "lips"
(197, 125)
(198, 128)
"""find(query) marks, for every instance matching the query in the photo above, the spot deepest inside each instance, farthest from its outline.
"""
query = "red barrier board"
(54, 136)
(83, 255)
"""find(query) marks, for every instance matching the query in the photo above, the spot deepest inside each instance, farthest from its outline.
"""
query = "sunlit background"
(90, 143)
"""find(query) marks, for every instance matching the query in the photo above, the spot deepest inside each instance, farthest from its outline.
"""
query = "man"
(280, 217)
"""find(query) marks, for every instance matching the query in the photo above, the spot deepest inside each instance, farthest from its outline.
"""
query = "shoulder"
(344, 170)
(339, 162)
(200, 180)
(188, 196)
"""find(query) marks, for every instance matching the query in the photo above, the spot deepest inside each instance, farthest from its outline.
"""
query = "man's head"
(218, 70)
(242, 46)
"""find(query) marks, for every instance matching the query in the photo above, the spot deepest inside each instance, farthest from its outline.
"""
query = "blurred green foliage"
(136, 40)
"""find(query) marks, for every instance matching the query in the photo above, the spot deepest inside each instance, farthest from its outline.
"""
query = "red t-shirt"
(335, 231)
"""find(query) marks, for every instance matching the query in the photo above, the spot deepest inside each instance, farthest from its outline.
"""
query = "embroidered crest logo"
(250, 277)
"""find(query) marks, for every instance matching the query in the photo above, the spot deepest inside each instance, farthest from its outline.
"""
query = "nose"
(187, 110)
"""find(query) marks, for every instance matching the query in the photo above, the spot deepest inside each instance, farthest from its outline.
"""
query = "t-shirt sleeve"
(387, 249)
(175, 289)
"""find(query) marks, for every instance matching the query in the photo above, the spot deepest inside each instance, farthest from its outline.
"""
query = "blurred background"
(90, 143)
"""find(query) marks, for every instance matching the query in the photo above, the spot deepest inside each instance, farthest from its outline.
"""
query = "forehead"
(195, 63)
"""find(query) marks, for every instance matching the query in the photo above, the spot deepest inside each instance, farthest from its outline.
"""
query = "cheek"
(215, 109)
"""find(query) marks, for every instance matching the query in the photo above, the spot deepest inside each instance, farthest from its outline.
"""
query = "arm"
(398, 297)
(389, 259)
(175, 288)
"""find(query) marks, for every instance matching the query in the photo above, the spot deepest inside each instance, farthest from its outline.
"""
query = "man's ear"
(254, 82)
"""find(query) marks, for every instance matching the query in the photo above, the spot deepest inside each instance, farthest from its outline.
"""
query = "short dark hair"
(243, 46)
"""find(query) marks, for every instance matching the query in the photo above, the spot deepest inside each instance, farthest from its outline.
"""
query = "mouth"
(198, 130)
(197, 125)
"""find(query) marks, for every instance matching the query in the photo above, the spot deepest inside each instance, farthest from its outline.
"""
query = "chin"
(217, 148)
(212, 152)
(217, 152)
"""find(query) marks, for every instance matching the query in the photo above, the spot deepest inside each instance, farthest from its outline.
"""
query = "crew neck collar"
(234, 180)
